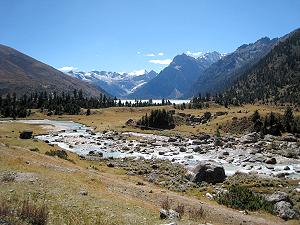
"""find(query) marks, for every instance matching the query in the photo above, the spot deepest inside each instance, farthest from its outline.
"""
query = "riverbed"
(83, 140)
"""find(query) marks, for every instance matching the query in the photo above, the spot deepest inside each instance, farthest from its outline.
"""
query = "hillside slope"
(275, 78)
(222, 73)
(175, 80)
(21, 74)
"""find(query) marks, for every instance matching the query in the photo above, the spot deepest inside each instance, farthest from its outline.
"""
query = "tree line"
(64, 103)
(160, 119)
(276, 124)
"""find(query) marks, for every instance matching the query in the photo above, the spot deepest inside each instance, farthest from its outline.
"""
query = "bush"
(196, 214)
(180, 210)
(239, 197)
(26, 212)
(33, 213)
(166, 204)
(59, 153)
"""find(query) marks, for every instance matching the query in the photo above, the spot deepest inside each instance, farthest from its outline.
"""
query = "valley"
(101, 150)
(149, 112)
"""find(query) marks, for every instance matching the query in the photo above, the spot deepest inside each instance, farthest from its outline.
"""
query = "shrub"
(239, 197)
(26, 212)
(34, 149)
(166, 204)
(59, 153)
(180, 210)
(8, 177)
(33, 213)
(196, 214)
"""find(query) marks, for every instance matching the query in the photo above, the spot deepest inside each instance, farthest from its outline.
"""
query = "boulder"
(110, 164)
(204, 137)
(278, 197)
(130, 122)
(83, 192)
(197, 149)
(169, 214)
(271, 161)
(26, 134)
(249, 138)
(171, 139)
(209, 172)
(196, 119)
(182, 149)
(289, 138)
(285, 210)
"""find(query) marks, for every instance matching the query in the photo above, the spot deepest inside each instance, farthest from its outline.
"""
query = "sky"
(132, 35)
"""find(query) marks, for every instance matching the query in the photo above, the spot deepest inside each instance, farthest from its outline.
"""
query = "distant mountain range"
(224, 72)
(175, 80)
(117, 84)
(266, 70)
(275, 78)
(22, 74)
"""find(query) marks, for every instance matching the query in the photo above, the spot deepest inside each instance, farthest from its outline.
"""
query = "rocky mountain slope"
(117, 84)
(175, 80)
(21, 74)
(275, 78)
(222, 73)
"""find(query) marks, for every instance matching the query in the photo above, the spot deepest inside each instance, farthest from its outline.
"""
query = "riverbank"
(81, 192)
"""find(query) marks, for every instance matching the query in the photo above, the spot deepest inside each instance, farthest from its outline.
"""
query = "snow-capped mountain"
(175, 80)
(117, 84)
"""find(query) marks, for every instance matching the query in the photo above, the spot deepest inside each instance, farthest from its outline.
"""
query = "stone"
(289, 138)
(26, 134)
(197, 142)
(197, 149)
(249, 138)
(284, 210)
(225, 153)
(204, 137)
(209, 196)
(286, 168)
(83, 192)
(278, 197)
(169, 214)
(110, 165)
(182, 149)
(171, 139)
(196, 119)
(210, 172)
(271, 161)
(129, 122)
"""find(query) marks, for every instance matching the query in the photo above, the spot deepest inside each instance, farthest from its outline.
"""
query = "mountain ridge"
(174, 80)
(117, 84)
(221, 74)
(22, 74)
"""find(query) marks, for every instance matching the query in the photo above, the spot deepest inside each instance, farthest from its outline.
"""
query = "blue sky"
(128, 35)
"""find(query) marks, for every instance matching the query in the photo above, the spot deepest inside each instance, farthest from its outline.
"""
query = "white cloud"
(138, 53)
(137, 72)
(150, 54)
(194, 54)
(161, 61)
(160, 54)
(67, 68)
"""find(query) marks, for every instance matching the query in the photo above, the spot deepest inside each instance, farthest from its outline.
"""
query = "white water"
(159, 101)
(78, 138)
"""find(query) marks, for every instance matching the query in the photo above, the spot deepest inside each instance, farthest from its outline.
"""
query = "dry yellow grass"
(115, 118)
(113, 197)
